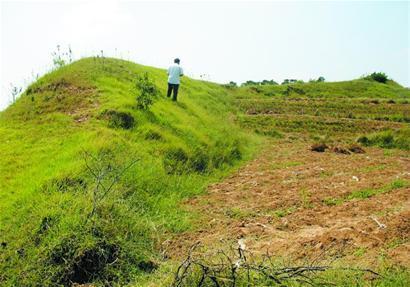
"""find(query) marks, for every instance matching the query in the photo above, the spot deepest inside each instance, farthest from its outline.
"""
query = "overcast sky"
(226, 41)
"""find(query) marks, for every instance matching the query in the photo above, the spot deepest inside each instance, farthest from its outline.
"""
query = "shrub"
(378, 77)
(146, 92)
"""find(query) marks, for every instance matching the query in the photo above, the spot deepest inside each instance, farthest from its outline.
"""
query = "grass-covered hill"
(78, 130)
(91, 185)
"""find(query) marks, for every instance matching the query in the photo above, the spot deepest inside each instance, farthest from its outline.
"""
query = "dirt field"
(296, 203)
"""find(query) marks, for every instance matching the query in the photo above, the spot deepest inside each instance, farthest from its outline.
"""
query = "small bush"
(378, 77)
(146, 92)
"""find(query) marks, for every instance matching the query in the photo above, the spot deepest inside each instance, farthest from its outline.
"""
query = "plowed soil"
(294, 203)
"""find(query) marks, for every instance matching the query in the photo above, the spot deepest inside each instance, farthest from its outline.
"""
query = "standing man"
(174, 72)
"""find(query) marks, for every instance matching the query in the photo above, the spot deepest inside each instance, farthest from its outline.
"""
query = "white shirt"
(174, 72)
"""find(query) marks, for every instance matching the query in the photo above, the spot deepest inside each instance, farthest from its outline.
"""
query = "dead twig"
(233, 268)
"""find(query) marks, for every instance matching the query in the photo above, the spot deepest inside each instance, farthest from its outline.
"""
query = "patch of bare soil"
(295, 203)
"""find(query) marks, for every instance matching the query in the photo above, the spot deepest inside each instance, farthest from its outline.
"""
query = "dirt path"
(295, 203)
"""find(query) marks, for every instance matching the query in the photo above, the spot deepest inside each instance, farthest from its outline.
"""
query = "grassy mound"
(90, 184)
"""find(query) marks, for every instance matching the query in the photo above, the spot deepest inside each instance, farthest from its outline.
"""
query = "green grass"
(284, 211)
(399, 139)
(46, 191)
(369, 192)
(238, 213)
(366, 192)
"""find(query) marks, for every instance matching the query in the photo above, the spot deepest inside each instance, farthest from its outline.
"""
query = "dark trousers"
(173, 88)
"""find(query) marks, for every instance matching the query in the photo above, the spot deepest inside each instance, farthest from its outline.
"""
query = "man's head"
(176, 61)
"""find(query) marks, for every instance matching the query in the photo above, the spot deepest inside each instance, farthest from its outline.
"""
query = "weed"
(238, 213)
(305, 198)
(284, 212)
(331, 201)
(61, 58)
(359, 252)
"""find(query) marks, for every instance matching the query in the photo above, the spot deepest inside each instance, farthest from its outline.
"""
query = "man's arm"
(181, 72)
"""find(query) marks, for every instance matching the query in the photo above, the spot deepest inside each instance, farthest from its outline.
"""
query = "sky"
(216, 40)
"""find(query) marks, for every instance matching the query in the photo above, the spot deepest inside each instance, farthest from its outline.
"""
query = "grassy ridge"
(46, 192)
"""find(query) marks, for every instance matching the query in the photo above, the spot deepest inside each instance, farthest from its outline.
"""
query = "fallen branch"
(237, 267)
